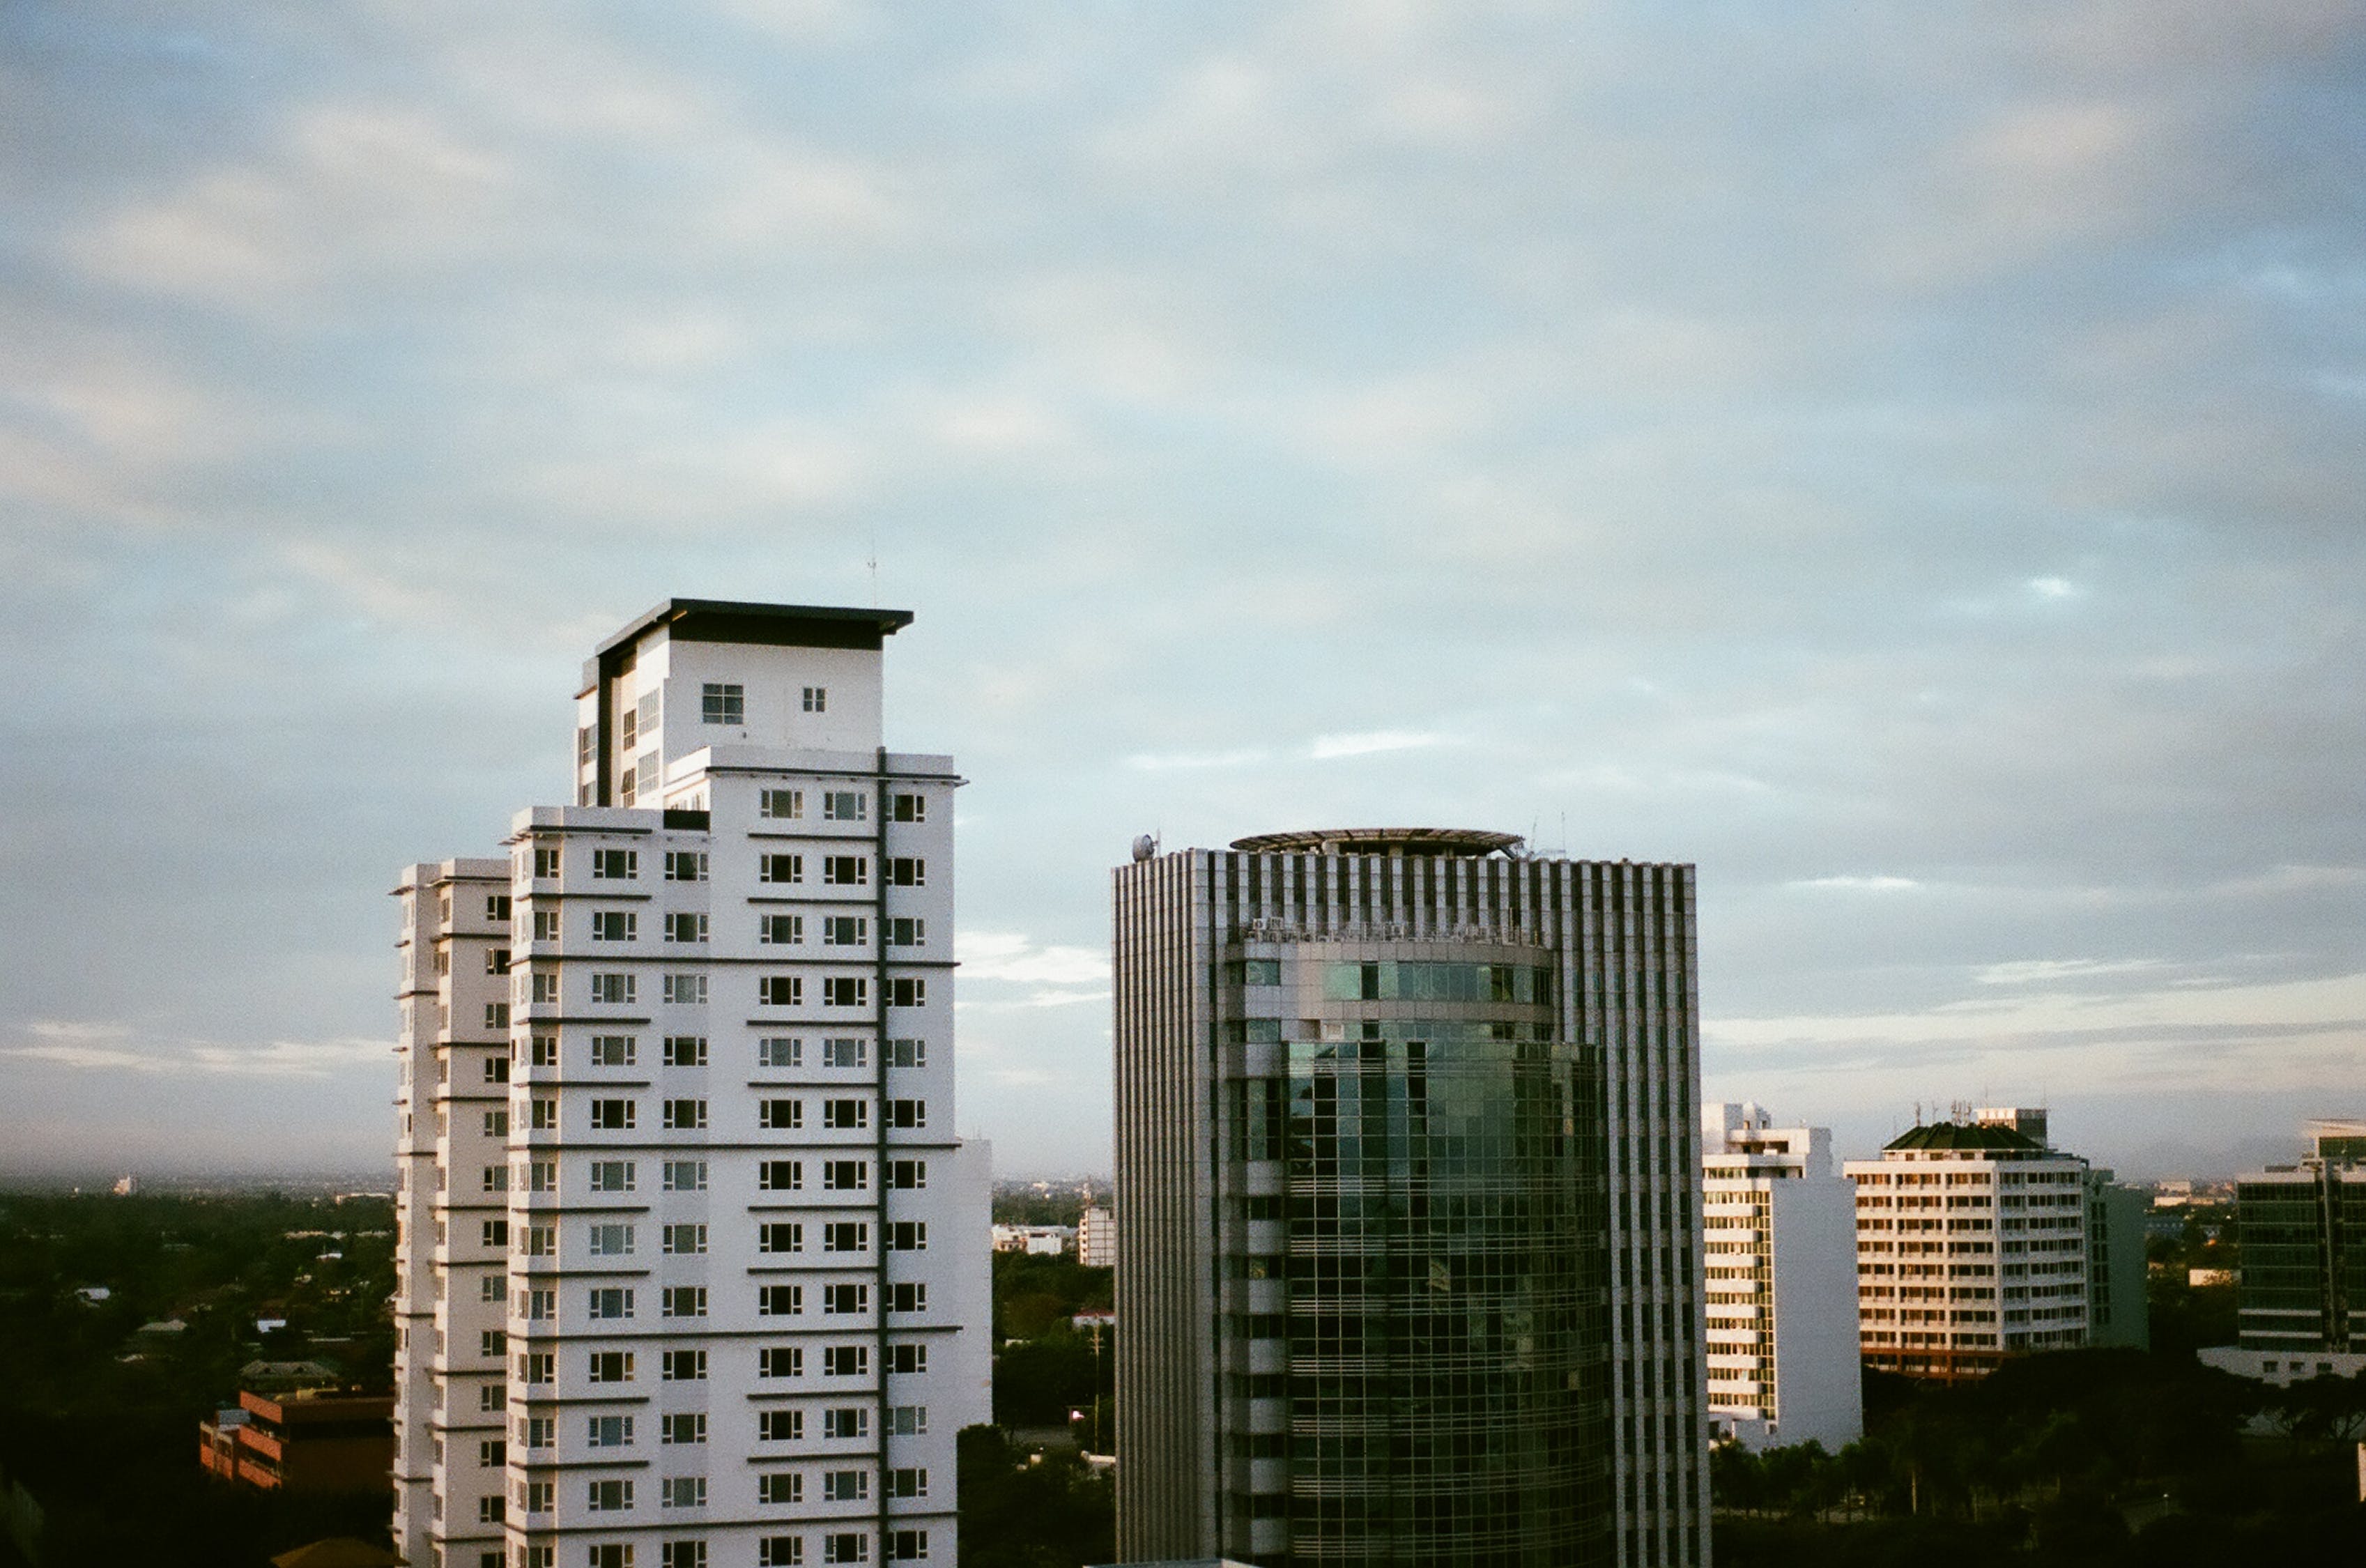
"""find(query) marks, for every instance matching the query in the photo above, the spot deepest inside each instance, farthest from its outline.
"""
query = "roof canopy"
(1461, 841)
(1965, 1135)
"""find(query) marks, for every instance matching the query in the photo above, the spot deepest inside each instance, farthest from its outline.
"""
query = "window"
(912, 1113)
(845, 930)
(905, 932)
(846, 1546)
(685, 1050)
(781, 804)
(906, 872)
(909, 1360)
(612, 1238)
(546, 1050)
(537, 1432)
(628, 726)
(681, 1301)
(846, 871)
(780, 1300)
(845, 1235)
(614, 1049)
(613, 990)
(610, 1301)
(781, 868)
(779, 1051)
(495, 1233)
(846, 1176)
(816, 699)
(909, 1481)
(845, 1300)
(613, 1115)
(908, 1546)
(492, 1342)
(683, 1366)
(609, 1496)
(720, 703)
(537, 1241)
(614, 925)
(780, 991)
(497, 959)
(907, 1296)
(587, 745)
(685, 1115)
(616, 866)
(779, 930)
(609, 1366)
(686, 1430)
(845, 991)
(537, 1367)
(844, 1051)
(779, 1425)
(539, 1306)
(844, 805)
(612, 1176)
(546, 987)
(683, 926)
(692, 1553)
(542, 1176)
(682, 1492)
(909, 1174)
(544, 1111)
(493, 1397)
(546, 925)
(684, 1241)
(781, 1114)
(685, 865)
(780, 1552)
(846, 1115)
(545, 860)
(781, 1361)
(780, 1176)
(604, 1555)
(686, 1176)
(789, 1487)
(497, 1068)
(780, 1237)
(489, 1509)
(845, 1486)
(686, 990)
(908, 991)
(846, 1361)
(848, 1421)
(911, 808)
(907, 1236)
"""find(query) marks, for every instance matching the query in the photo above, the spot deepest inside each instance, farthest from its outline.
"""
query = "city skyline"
(1903, 466)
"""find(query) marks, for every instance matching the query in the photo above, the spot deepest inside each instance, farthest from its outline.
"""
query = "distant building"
(1971, 1246)
(2119, 1313)
(125, 1186)
(1781, 1279)
(1044, 1241)
(1097, 1239)
(2301, 1300)
(308, 1440)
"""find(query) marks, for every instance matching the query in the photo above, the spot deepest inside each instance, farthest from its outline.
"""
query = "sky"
(1903, 460)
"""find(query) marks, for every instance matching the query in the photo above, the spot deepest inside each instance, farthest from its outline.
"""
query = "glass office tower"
(1406, 1169)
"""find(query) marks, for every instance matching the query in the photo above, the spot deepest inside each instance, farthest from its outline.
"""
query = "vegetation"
(1032, 1508)
(99, 1420)
(2088, 1457)
(1044, 1367)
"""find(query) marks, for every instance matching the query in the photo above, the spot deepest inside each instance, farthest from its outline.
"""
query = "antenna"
(874, 564)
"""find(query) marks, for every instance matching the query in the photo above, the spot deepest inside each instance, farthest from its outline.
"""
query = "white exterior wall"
(1097, 1239)
(1781, 1335)
(865, 1325)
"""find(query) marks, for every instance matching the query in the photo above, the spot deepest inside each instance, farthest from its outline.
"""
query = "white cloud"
(2055, 587)
(1006, 955)
(87, 1046)
(1861, 884)
(2036, 972)
(1326, 747)
(1159, 763)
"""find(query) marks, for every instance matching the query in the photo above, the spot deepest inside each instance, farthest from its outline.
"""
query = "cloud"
(1327, 747)
(2039, 972)
(85, 1046)
(1004, 955)
(1862, 884)
(1158, 762)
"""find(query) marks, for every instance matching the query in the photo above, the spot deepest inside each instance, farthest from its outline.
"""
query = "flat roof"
(1965, 1135)
(741, 620)
(1382, 842)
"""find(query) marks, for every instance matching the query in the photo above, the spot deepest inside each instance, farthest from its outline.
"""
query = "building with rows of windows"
(2302, 1300)
(691, 1270)
(1409, 1188)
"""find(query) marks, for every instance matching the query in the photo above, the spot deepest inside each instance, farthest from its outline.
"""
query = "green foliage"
(99, 1421)
(1033, 1294)
(1022, 1510)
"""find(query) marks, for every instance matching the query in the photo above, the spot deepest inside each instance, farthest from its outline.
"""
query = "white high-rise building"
(1971, 1246)
(1780, 1270)
(691, 1268)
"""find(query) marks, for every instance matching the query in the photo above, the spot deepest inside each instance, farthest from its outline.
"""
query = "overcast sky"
(1906, 460)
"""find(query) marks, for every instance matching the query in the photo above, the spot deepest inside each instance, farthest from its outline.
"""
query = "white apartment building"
(1097, 1239)
(1971, 1246)
(691, 1271)
(1780, 1272)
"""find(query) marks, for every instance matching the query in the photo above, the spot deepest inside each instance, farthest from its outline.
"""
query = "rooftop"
(1965, 1135)
(787, 626)
(1459, 841)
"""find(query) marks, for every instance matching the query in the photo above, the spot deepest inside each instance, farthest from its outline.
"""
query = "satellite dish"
(1144, 848)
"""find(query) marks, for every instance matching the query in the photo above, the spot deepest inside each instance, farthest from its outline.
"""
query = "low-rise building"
(305, 1440)
(1044, 1241)
(1780, 1271)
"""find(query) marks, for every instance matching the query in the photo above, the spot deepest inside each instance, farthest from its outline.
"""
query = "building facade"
(1780, 1270)
(2119, 1309)
(1097, 1239)
(691, 1271)
(1971, 1246)
(2301, 1299)
(1409, 1196)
